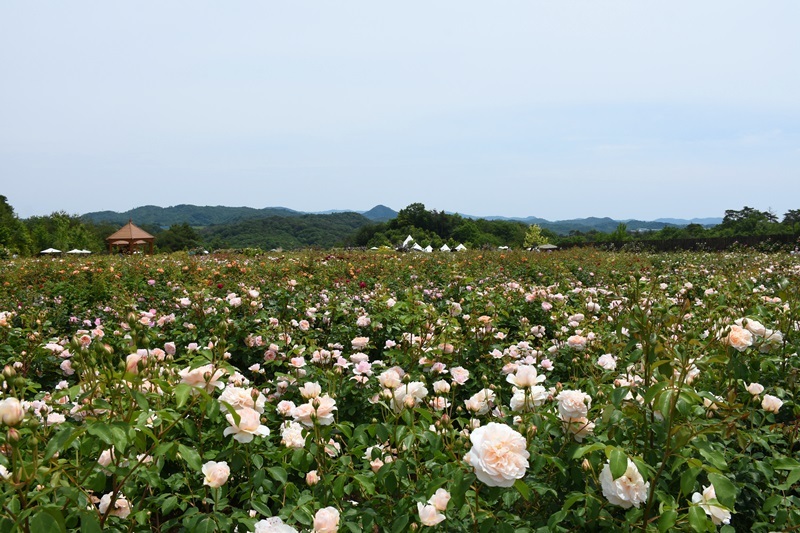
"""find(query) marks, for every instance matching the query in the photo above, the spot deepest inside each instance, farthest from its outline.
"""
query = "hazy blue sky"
(555, 108)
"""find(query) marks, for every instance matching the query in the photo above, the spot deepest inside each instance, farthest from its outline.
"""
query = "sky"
(551, 108)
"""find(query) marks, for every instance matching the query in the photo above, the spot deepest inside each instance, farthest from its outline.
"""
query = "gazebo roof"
(129, 232)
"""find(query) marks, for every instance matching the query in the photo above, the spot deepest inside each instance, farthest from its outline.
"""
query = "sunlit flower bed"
(568, 391)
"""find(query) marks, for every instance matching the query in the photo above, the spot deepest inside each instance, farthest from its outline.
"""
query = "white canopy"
(79, 251)
(428, 248)
(460, 248)
(50, 251)
(408, 241)
(444, 248)
(547, 247)
(417, 247)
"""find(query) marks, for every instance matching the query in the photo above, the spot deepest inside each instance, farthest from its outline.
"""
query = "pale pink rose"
(106, 457)
(204, 377)
(440, 499)
(429, 515)
(248, 427)
(389, 379)
(498, 455)
(739, 338)
(460, 375)
(719, 515)
(66, 367)
(121, 506)
(363, 321)
(285, 408)
(579, 428)
(480, 402)
(408, 395)
(238, 397)
(312, 478)
(573, 404)
(576, 342)
(326, 520)
(753, 326)
(607, 362)
(310, 390)
(628, 490)
(771, 403)
(525, 377)
(304, 325)
(132, 361)
(11, 411)
(525, 400)
(216, 473)
(170, 348)
(755, 388)
(441, 387)
(359, 343)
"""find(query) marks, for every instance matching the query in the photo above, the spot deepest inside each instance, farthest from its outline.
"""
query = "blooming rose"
(359, 343)
(273, 525)
(312, 477)
(627, 490)
(498, 455)
(326, 520)
(739, 338)
(408, 395)
(480, 402)
(440, 499)
(238, 397)
(429, 515)
(753, 326)
(524, 400)
(755, 388)
(607, 362)
(576, 342)
(573, 404)
(249, 425)
(203, 377)
(389, 379)
(292, 435)
(526, 376)
(719, 515)
(771, 403)
(121, 506)
(579, 427)
(216, 473)
(11, 411)
(459, 374)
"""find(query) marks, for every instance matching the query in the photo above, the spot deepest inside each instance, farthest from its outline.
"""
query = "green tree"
(14, 236)
(534, 237)
(178, 237)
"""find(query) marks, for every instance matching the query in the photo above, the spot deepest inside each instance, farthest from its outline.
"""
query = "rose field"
(578, 390)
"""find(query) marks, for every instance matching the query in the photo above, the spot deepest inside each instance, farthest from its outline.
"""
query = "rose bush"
(356, 391)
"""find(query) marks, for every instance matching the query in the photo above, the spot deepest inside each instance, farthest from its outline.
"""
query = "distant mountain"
(684, 222)
(198, 216)
(380, 213)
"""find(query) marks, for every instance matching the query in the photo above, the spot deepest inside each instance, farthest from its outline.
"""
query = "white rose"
(627, 490)
(719, 515)
(429, 515)
(11, 411)
(273, 525)
(573, 404)
(326, 520)
(498, 455)
(755, 388)
(771, 403)
(216, 473)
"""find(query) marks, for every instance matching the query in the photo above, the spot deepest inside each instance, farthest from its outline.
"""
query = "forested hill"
(292, 232)
(201, 216)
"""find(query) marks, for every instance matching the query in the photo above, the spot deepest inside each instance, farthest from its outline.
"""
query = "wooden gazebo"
(129, 237)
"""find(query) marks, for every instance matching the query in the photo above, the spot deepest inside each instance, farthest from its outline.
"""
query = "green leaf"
(523, 489)
(206, 525)
(653, 390)
(278, 473)
(785, 463)
(101, 431)
(191, 457)
(667, 520)
(618, 462)
(583, 450)
(725, 489)
(688, 480)
(44, 521)
(182, 393)
(366, 483)
(400, 524)
(697, 518)
(90, 523)
(62, 440)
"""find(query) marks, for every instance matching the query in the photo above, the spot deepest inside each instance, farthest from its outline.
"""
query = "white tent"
(547, 247)
(428, 248)
(79, 251)
(50, 251)
(460, 248)
(503, 248)
(444, 248)
(408, 241)
(417, 247)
